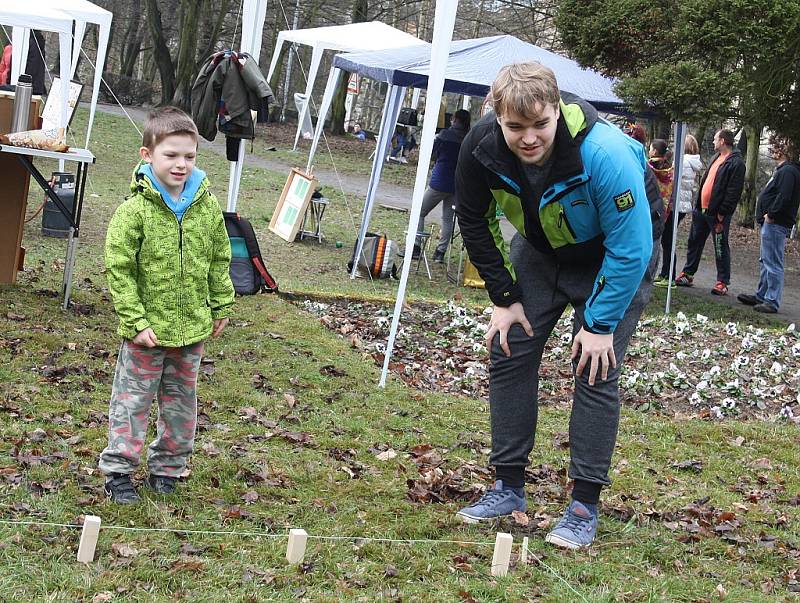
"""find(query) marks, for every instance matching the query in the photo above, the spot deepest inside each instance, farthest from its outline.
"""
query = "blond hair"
(690, 146)
(166, 121)
(524, 88)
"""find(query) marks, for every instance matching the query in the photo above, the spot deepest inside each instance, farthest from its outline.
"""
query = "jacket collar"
(141, 183)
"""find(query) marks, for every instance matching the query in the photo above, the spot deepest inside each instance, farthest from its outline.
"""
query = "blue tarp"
(473, 66)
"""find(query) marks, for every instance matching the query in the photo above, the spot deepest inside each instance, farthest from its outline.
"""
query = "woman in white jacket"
(686, 193)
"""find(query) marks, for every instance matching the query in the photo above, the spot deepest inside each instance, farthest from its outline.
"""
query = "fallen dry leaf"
(520, 518)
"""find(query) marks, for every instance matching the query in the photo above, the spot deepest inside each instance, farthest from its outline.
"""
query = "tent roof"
(33, 16)
(370, 35)
(473, 66)
(83, 10)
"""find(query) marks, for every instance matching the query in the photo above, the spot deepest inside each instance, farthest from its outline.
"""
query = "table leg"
(68, 268)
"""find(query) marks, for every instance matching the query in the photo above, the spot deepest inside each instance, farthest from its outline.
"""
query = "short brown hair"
(725, 136)
(524, 88)
(165, 121)
(690, 145)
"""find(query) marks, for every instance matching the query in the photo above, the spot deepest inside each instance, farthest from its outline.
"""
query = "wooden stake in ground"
(296, 549)
(91, 528)
(523, 554)
(502, 554)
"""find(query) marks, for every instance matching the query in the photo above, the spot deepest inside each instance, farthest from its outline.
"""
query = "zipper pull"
(560, 215)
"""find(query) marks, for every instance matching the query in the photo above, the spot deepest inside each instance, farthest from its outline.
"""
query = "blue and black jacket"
(594, 206)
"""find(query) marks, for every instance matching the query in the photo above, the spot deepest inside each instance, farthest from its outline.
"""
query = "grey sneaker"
(497, 502)
(577, 528)
(161, 484)
(120, 489)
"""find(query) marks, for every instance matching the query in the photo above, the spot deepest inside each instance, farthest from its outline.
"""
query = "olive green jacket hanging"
(167, 275)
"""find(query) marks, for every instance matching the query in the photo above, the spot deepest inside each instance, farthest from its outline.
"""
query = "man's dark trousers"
(703, 225)
(514, 381)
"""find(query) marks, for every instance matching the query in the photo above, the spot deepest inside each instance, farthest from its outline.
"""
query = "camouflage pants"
(169, 374)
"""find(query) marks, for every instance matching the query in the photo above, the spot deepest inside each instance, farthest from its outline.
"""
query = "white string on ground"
(278, 536)
(249, 533)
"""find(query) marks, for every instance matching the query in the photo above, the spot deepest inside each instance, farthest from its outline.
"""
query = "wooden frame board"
(53, 104)
(292, 204)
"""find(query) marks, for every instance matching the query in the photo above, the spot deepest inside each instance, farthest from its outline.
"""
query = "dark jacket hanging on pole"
(229, 86)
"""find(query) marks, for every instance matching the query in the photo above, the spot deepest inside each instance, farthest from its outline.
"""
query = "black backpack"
(248, 272)
(407, 116)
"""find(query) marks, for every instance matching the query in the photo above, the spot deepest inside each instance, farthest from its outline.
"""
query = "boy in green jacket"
(167, 263)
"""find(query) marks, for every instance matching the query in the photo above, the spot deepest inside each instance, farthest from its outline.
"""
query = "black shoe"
(120, 489)
(765, 309)
(438, 257)
(748, 300)
(162, 484)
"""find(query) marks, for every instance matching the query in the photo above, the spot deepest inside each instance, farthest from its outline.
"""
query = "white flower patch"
(706, 354)
(787, 413)
(796, 350)
(731, 329)
(566, 338)
(680, 327)
(701, 319)
(487, 311)
(681, 355)
(741, 361)
(747, 343)
(556, 350)
(790, 328)
(716, 412)
(776, 369)
(317, 307)
(732, 386)
(477, 347)
(630, 379)
(715, 370)
(695, 399)
(774, 349)
(382, 321)
(702, 385)
(680, 317)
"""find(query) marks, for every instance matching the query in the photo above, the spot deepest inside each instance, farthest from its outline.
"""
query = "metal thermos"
(22, 103)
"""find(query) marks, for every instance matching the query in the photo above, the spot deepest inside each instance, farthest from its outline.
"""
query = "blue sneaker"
(497, 502)
(576, 529)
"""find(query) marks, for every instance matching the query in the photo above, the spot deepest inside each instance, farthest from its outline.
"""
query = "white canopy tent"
(253, 15)
(23, 18)
(60, 16)
(367, 36)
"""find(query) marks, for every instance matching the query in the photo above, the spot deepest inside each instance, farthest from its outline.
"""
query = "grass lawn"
(293, 432)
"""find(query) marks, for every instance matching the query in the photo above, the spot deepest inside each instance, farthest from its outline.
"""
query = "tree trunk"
(132, 40)
(161, 54)
(359, 14)
(337, 105)
(745, 214)
(186, 65)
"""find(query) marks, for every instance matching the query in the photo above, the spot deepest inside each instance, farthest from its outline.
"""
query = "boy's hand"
(146, 338)
(219, 326)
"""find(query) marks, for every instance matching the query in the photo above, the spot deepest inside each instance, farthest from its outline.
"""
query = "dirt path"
(744, 242)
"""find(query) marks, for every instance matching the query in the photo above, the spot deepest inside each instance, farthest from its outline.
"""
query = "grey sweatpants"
(514, 381)
(431, 199)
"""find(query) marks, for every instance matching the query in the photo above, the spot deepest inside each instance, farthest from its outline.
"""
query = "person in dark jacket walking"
(720, 190)
(776, 213)
(573, 186)
(442, 186)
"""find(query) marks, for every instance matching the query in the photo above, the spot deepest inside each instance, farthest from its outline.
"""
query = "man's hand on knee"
(501, 322)
(597, 350)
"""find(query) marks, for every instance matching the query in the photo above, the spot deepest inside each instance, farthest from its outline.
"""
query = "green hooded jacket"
(169, 276)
